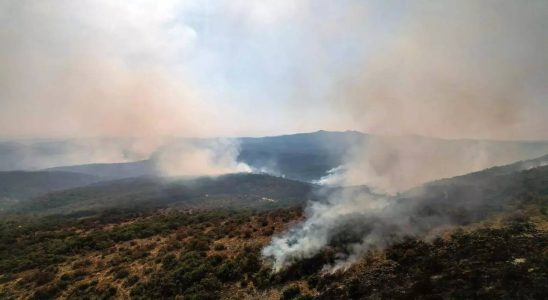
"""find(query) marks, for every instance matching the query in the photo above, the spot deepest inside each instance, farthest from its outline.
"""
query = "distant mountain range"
(73, 193)
(304, 156)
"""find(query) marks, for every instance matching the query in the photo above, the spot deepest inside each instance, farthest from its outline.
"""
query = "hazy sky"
(452, 69)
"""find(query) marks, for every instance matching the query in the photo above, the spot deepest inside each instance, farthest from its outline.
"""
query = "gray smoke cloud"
(108, 82)
(356, 220)
(34, 154)
(454, 69)
(96, 69)
(200, 158)
(164, 157)
(393, 164)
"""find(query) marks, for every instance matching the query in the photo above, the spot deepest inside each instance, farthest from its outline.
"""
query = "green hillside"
(241, 191)
(18, 186)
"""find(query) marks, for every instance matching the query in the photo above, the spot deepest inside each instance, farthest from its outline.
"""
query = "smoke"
(456, 69)
(200, 157)
(165, 156)
(33, 154)
(97, 68)
(325, 220)
(394, 164)
(356, 220)
(452, 69)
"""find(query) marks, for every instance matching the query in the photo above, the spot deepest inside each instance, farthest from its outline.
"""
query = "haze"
(453, 69)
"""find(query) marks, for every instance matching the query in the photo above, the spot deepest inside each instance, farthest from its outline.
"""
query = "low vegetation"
(201, 252)
(216, 255)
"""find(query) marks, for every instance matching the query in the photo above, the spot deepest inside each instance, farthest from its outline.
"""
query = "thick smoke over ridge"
(161, 156)
(197, 158)
(90, 70)
(355, 220)
(455, 69)
(394, 164)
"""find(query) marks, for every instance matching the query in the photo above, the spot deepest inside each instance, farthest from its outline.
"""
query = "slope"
(257, 191)
(18, 186)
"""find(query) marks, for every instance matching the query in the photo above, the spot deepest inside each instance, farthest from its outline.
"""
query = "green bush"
(131, 280)
(122, 273)
(229, 271)
(219, 247)
(290, 293)
(45, 292)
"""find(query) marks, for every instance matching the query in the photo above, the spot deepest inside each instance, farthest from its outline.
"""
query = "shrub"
(82, 263)
(219, 247)
(197, 245)
(169, 261)
(291, 293)
(131, 280)
(122, 273)
(215, 260)
(45, 292)
(246, 234)
(38, 277)
(249, 262)
(228, 271)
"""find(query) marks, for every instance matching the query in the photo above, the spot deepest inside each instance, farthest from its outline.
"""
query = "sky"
(451, 69)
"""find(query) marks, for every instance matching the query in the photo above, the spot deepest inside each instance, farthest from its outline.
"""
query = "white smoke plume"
(393, 164)
(200, 158)
(457, 69)
(107, 81)
(324, 221)
(355, 220)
